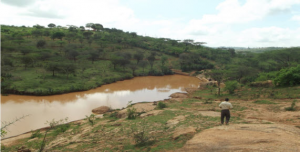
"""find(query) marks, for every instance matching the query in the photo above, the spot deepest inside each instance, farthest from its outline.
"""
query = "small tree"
(52, 66)
(143, 64)
(59, 35)
(217, 75)
(163, 60)
(138, 56)
(151, 60)
(73, 54)
(25, 50)
(26, 60)
(93, 55)
(133, 67)
(68, 68)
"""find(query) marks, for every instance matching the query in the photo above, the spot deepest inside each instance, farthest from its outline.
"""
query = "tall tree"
(53, 66)
(97, 27)
(151, 60)
(51, 25)
(93, 55)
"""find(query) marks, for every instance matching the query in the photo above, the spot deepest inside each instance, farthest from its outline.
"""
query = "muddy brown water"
(79, 104)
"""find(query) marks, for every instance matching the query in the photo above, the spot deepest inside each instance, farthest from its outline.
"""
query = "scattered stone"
(140, 107)
(183, 131)
(210, 113)
(23, 149)
(101, 110)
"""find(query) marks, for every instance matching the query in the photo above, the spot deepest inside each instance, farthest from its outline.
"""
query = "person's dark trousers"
(225, 113)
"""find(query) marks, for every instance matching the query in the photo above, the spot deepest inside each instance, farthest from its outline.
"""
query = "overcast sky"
(253, 23)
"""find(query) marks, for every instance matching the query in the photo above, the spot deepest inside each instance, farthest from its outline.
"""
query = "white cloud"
(296, 18)
(216, 29)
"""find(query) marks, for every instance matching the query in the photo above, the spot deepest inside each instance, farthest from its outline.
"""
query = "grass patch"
(264, 102)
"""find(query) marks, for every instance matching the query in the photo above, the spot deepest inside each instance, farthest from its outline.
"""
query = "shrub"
(161, 105)
(91, 119)
(41, 43)
(141, 135)
(292, 107)
(131, 113)
(231, 86)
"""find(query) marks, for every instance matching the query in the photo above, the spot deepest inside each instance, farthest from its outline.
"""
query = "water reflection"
(77, 105)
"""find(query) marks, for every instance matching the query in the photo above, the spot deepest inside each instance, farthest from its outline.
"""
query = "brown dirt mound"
(246, 137)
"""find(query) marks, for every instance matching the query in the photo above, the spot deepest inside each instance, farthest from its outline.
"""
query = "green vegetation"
(292, 107)
(34, 60)
(91, 119)
(230, 86)
(161, 105)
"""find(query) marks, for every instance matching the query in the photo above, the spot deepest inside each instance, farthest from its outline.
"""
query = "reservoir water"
(79, 104)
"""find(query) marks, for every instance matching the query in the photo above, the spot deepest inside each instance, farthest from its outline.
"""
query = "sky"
(235, 23)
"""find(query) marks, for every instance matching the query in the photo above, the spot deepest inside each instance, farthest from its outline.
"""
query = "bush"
(231, 86)
(292, 107)
(35, 134)
(141, 134)
(161, 105)
(114, 115)
(288, 77)
(266, 76)
(40, 43)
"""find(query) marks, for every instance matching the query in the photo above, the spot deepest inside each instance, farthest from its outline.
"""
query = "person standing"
(225, 106)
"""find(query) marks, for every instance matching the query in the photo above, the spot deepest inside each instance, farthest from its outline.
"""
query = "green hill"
(53, 60)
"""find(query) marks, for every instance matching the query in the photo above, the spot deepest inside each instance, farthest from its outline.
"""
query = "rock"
(179, 95)
(101, 110)
(140, 107)
(183, 131)
(175, 121)
(33, 139)
(151, 113)
(246, 137)
(99, 116)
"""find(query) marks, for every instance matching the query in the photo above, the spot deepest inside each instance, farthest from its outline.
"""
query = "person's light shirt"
(225, 105)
